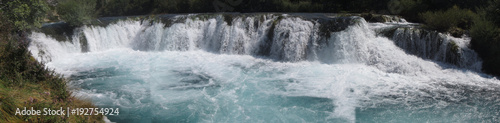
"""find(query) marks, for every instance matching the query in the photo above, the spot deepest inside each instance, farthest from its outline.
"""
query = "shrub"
(485, 41)
(407, 8)
(77, 12)
(300, 6)
(446, 20)
(483, 34)
(171, 6)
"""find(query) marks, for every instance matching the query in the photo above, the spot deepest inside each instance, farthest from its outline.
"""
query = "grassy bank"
(25, 82)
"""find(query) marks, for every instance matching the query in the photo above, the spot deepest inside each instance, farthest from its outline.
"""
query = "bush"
(483, 34)
(172, 6)
(446, 20)
(77, 12)
(407, 8)
(19, 68)
(300, 6)
(485, 41)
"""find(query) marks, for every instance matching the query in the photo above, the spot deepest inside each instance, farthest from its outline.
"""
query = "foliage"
(172, 6)
(493, 11)
(485, 41)
(25, 82)
(300, 6)
(411, 9)
(24, 14)
(18, 67)
(405, 7)
(123, 7)
(77, 12)
(449, 19)
(6, 27)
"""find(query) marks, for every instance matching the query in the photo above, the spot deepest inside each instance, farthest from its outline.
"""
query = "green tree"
(493, 11)
(450, 19)
(77, 12)
(486, 39)
(24, 14)
(124, 7)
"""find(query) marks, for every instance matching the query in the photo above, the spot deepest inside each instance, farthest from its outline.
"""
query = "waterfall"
(261, 67)
(437, 46)
(280, 37)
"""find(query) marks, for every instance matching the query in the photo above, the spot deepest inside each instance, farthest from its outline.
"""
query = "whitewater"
(272, 68)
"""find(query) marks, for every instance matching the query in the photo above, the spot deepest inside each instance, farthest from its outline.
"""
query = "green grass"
(34, 86)
(39, 96)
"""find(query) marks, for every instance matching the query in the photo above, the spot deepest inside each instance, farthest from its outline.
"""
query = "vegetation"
(300, 6)
(122, 7)
(485, 41)
(492, 12)
(23, 14)
(481, 21)
(77, 12)
(25, 82)
(485, 35)
(449, 20)
(410, 9)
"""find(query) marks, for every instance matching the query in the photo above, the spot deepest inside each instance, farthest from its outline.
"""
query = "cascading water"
(437, 46)
(271, 68)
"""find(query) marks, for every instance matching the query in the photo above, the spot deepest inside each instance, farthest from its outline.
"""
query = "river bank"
(26, 82)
